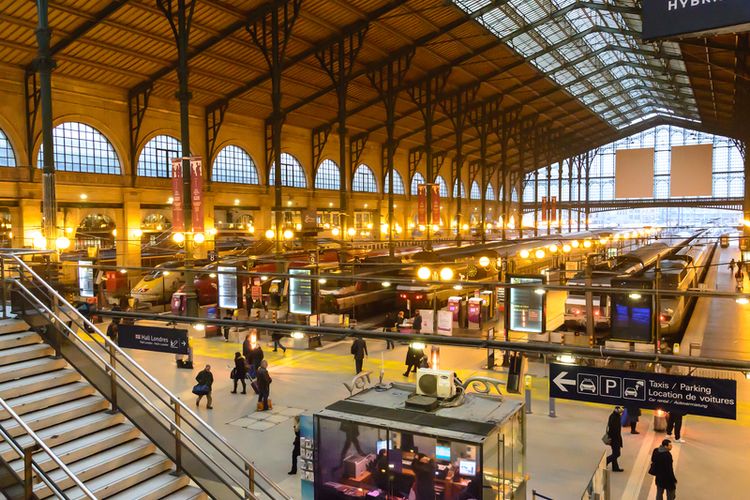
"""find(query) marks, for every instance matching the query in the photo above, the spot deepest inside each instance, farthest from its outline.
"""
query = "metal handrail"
(39, 471)
(248, 466)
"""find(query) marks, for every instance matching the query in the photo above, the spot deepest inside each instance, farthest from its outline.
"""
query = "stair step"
(124, 477)
(32, 367)
(23, 353)
(187, 493)
(17, 339)
(57, 414)
(85, 446)
(46, 380)
(108, 463)
(44, 399)
(67, 431)
(12, 326)
(155, 488)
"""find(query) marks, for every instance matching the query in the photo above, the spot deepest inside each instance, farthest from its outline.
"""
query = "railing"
(194, 446)
(31, 466)
(535, 494)
(598, 487)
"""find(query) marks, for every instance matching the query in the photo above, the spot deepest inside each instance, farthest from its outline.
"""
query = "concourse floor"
(562, 451)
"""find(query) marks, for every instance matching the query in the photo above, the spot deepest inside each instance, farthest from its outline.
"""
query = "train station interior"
(374, 249)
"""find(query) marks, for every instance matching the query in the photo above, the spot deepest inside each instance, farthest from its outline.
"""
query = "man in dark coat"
(247, 347)
(661, 466)
(634, 414)
(416, 324)
(413, 356)
(205, 377)
(674, 422)
(614, 431)
(359, 350)
(264, 384)
(239, 373)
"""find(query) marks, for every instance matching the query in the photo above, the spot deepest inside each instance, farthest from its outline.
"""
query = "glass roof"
(592, 49)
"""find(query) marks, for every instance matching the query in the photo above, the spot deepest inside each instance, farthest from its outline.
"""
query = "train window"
(234, 165)
(81, 148)
(156, 156)
(292, 173)
(364, 181)
(416, 181)
(398, 183)
(7, 157)
(328, 176)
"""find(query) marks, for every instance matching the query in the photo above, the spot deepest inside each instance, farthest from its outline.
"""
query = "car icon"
(587, 385)
(631, 392)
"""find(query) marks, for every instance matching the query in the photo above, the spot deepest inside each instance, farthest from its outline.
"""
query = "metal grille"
(234, 165)
(81, 148)
(7, 158)
(475, 193)
(156, 156)
(364, 180)
(398, 184)
(328, 176)
(292, 173)
(416, 181)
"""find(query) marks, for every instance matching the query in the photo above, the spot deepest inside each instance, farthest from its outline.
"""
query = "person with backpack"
(205, 381)
(662, 468)
(359, 350)
(239, 373)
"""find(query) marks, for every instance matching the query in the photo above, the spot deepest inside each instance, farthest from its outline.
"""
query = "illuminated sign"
(300, 293)
(525, 308)
(681, 18)
(228, 296)
(86, 278)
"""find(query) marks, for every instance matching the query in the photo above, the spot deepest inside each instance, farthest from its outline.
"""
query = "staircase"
(102, 449)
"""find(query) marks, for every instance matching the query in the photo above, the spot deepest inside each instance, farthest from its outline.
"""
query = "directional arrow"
(560, 381)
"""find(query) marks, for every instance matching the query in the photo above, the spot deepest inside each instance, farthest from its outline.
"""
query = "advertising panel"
(178, 217)
(545, 209)
(422, 204)
(632, 314)
(435, 203)
(679, 18)
(300, 292)
(228, 296)
(196, 190)
(525, 307)
(86, 278)
(553, 209)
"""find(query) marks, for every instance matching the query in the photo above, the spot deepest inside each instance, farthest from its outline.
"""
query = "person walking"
(264, 385)
(239, 373)
(295, 447)
(359, 350)
(276, 337)
(225, 328)
(113, 330)
(634, 414)
(413, 357)
(247, 347)
(416, 324)
(205, 378)
(731, 267)
(674, 423)
(614, 433)
(663, 470)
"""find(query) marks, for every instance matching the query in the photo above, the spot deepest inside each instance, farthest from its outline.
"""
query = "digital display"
(526, 307)
(382, 445)
(228, 287)
(300, 293)
(86, 278)
(443, 453)
(467, 467)
(632, 314)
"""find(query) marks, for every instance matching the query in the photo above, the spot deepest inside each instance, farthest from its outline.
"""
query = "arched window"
(456, 186)
(234, 165)
(81, 148)
(364, 180)
(398, 184)
(489, 193)
(442, 186)
(7, 157)
(156, 156)
(514, 195)
(475, 193)
(328, 176)
(292, 173)
(415, 182)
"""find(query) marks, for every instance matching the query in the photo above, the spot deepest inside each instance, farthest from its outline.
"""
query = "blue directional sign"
(153, 338)
(689, 395)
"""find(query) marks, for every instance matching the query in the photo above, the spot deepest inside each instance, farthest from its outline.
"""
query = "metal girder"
(137, 106)
(32, 95)
(319, 140)
(214, 121)
(474, 168)
(419, 42)
(438, 160)
(357, 145)
(415, 157)
(269, 149)
(262, 29)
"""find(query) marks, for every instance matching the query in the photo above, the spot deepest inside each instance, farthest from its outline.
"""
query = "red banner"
(553, 209)
(435, 203)
(544, 209)
(178, 217)
(196, 190)
(422, 204)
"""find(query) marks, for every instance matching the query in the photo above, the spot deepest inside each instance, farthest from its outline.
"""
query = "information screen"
(632, 314)
(228, 287)
(526, 311)
(86, 278)
(300, 293)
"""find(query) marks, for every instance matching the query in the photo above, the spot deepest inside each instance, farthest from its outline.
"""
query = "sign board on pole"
(681, 18)
(228, 296)
(152, 338)
(86, 278)
(422, 204)
(178, 217)
(690, 395)
(196, 190)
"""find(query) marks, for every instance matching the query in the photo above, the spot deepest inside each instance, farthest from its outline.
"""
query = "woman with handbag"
(205, 380)
(239, 372)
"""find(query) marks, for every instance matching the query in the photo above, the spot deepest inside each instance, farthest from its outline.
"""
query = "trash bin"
(660, 421)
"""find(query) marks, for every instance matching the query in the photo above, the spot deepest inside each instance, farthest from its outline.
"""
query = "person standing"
(256, 357)
(247, 347)
(614, 432)
(205, 378)
(674, 422)
(113, 330)
(416, 324)
(359, 350)
(424, 472)
(634, 414)
(663, 470)
(295, 447)
(239, 373)
(264, 385)
(225, 328)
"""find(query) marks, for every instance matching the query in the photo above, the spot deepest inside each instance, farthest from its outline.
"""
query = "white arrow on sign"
(560, 381)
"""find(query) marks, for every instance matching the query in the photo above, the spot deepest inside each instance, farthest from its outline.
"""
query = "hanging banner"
(553, 209)
(178, 217)
(680, 18)
(309, 220)
(152, 338)
(544, 209)
(435, 203)
(196, 190)
(422, 204)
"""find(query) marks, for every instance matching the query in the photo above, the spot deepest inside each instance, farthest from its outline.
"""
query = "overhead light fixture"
(635, 296)
(484, 261)
(524, 254)
(540, 291)
(270, 234)
(567, 359)
(742, 300)
(386, 284)
(178, 237)
(298, 335)
(446, 274)
(458, 287)
(539, 254)
(199, 327)
(335, 231)
(199, 238)
(322, 281)
(84, 196)
(424, 273)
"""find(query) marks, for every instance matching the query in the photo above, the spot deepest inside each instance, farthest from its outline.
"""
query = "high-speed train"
(158, 286)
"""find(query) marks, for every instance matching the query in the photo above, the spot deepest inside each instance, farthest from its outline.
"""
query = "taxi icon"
(587, 385)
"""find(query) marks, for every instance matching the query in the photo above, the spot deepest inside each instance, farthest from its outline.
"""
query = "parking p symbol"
(610, 387)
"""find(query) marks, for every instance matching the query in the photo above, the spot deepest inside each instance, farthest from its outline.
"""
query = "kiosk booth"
(376, 445)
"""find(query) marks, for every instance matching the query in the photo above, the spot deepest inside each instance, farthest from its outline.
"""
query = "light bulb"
(424, 273)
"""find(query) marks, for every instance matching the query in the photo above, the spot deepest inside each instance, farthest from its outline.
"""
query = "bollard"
(552, 408)
(528, 401)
